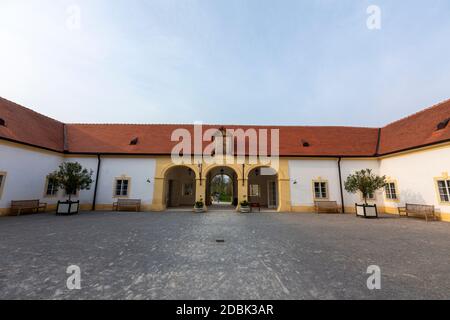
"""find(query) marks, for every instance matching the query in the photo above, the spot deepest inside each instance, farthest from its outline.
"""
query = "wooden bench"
(20, 206)
(418, 210)
(326, 207)
(127, 204)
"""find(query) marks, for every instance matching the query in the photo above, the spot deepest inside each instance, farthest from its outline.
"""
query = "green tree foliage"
(364, 181)
(223, 186)
(72, 177)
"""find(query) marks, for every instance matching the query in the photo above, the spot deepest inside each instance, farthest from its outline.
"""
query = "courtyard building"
(135, 161)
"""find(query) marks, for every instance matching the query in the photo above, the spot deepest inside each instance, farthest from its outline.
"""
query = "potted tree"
(245, 206)
(367, 183)
(71, 177)
(199, 206)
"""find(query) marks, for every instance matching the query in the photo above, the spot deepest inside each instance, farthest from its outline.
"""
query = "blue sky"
(225, 61)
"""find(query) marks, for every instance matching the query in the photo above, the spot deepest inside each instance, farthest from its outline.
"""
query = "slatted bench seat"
(21, 206)
(326, 207)
(422, 210)
(127, 204)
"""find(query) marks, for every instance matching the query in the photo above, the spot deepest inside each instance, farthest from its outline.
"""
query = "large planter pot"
(66, 208)
(245, 209)
(366, 211)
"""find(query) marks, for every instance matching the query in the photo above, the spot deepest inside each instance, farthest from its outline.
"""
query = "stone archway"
(232, 181)
(263, 187)
(180, 187)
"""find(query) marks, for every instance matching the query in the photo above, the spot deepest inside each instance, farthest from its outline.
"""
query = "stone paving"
(175, 255)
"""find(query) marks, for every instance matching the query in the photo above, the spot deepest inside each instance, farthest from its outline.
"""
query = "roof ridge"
(31, 110)
(218, 125)
(418, 112)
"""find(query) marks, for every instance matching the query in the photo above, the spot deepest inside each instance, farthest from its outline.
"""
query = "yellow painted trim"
(418, 150)
(3, 182)
(122, 177)
(444, 177)
(302, 209)
(45, 195)
(442, 215)
(320, 180)
(397, 193)
(74, 155)
(29, 148)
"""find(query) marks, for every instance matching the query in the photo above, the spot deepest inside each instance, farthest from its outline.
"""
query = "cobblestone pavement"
(175, 255)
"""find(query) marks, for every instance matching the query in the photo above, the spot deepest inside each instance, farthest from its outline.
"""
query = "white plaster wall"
(89, 163)
(137, 168)
(415, 173)
(350, 166)
(26, 170)
(304, 172)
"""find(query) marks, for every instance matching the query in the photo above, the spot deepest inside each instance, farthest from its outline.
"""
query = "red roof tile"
(26, 126)
(416, 130)
(156, 139)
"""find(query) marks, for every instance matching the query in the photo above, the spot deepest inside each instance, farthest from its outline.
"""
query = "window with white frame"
(122, 186)
(254, 190)
(320, 190)
(51, 189)
(444, 189)
(391, 191)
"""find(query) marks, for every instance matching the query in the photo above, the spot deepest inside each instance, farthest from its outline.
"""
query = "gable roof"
(416, 130)
(26, 126)
(156, 139)
(29, 127)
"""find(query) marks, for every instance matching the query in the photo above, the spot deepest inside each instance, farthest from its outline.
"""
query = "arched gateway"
(222, 188)
(180, 187)
(263, 190)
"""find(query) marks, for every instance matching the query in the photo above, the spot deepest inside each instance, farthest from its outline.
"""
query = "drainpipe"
(340, 185)
(94, 201)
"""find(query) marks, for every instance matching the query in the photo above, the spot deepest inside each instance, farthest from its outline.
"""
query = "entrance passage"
(263, 188)
(221, 189)
(180, 187)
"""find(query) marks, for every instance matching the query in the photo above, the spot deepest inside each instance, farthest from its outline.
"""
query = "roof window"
(2, 122)
(442, 125)
(134, 142)
(305, 143)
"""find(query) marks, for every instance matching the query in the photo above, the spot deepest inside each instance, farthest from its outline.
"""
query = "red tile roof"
(416, 130)
(156, 139)
(29, 127)
(26, 126)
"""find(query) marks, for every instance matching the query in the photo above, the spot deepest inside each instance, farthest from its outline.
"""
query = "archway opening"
(263, 188)
(180, 187)
(221, 189)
